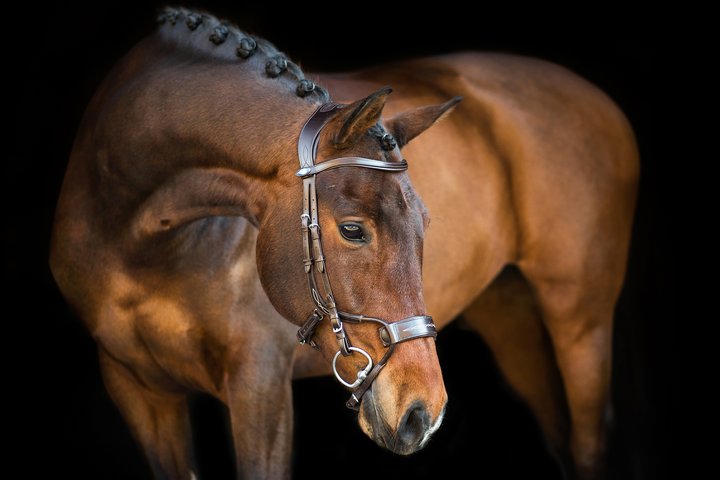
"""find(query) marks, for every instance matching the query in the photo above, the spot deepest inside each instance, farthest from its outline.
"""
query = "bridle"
(391, 334)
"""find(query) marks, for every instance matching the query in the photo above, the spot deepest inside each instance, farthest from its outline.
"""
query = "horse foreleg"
(507, 316)
(580, 326)
(259, 397)
(159, 421)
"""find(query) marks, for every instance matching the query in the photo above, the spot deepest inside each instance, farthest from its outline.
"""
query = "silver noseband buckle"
(407, 329)
(361, 375)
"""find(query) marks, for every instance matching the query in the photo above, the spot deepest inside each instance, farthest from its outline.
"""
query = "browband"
(352, 162)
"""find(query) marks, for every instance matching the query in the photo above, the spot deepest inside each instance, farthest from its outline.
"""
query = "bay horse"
(177, 238)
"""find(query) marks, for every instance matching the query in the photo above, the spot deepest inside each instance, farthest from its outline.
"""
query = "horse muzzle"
(403, 431)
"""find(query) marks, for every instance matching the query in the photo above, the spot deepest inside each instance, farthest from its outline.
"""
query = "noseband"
(390, 333)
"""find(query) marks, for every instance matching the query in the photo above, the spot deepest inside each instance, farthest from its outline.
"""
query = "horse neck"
(181, 108)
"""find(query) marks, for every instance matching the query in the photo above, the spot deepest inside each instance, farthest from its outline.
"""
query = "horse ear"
(408, 125)
(356, 119)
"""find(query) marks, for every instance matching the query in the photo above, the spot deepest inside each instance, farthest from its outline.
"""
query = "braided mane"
(202, 31)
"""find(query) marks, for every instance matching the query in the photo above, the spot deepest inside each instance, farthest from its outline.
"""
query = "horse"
(177, 238)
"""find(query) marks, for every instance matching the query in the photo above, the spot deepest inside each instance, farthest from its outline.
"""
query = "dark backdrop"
(63, 422)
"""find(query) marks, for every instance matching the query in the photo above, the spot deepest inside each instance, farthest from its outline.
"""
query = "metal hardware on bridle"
(390, 333)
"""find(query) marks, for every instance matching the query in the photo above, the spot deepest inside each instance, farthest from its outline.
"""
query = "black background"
(64, 422)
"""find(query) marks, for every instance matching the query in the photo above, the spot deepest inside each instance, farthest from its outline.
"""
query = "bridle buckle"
(361, 375)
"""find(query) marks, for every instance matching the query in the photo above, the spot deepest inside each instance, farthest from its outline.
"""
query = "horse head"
(372, 225)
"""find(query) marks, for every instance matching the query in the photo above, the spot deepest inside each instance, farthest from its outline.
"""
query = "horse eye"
(352, 232)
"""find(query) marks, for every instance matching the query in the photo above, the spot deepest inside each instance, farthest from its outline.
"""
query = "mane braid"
(218, 33)
(387, 141)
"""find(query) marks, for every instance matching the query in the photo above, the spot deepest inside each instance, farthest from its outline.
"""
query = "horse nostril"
(414, 424)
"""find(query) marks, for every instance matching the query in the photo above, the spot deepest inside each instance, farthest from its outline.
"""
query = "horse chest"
(156, 336)
(173, 325)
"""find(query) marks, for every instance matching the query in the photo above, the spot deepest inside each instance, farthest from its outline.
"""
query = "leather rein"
(391, 334)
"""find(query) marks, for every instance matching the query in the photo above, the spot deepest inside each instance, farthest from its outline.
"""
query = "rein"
(391, 334)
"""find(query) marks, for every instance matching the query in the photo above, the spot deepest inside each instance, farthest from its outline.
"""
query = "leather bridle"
(391, 334)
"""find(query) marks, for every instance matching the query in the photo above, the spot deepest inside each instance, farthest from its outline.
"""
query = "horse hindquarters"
(576, 270)
(572, 172)
(574, 256)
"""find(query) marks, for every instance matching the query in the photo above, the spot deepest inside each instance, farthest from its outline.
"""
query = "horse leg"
(259, 396)
(507, 316)
(578, 315)
(159, 421)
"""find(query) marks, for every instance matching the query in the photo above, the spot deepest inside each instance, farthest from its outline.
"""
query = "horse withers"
(186, 238)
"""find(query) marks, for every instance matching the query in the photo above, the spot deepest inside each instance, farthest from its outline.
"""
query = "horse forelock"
(204, 33)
